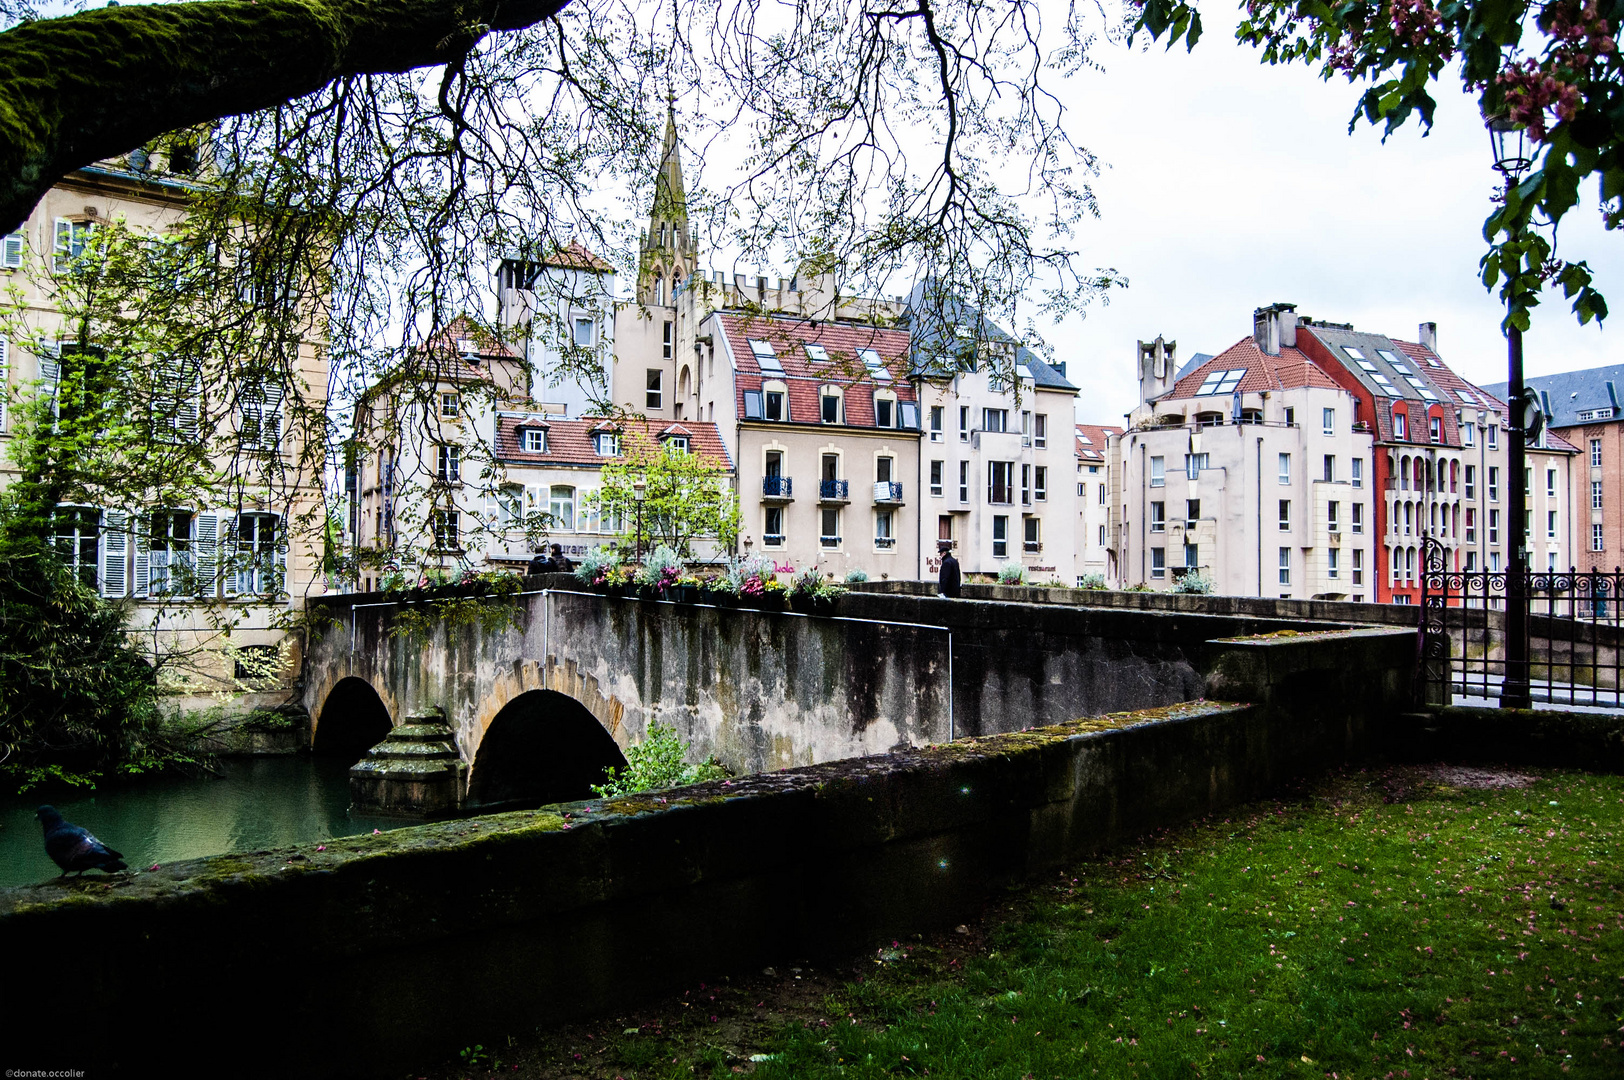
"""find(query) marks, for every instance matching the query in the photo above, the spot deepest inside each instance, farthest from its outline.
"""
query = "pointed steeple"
(669, 250)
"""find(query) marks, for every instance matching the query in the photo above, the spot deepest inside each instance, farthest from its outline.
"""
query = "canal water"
(255, 803)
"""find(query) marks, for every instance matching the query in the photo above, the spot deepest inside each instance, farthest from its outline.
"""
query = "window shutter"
(64, 244)
(115, 547)
(752, 405)
(5, 384)
(270, 421)
(206, 551)
(234, 555)
(141, 537)
(187, 390)
(12, 256)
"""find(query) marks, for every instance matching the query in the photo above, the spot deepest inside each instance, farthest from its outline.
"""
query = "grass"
(1406, 923)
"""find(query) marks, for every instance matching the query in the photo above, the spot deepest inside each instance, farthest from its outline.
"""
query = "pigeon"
(73, 848)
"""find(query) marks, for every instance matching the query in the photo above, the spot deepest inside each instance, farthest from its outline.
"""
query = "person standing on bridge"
(947, 582)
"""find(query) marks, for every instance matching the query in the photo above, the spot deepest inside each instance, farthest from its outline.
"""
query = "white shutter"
(115, 581)
(270, 417)
(64, 245)
(141, 537)
(206, 551)
(12, 255)
(5, 384)
(187, 389)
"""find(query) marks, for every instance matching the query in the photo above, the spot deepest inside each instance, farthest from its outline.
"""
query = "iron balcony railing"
(777, 487)
(829, 541)
(885, 541)
(888, 491)
(772, 539)
(834, 490)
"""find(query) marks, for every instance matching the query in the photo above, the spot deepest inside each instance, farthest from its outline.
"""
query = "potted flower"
(659, 572)
(684, 590)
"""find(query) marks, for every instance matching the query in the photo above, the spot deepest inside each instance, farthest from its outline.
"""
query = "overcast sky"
(1232, 185)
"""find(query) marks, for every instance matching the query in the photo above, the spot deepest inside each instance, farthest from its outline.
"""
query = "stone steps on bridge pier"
(415, 771)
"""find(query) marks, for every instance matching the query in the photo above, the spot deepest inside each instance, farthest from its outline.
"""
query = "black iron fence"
(1575, 629)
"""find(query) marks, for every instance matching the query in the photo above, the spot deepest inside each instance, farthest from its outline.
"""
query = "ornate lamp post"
(1512, 157)
(639, 491)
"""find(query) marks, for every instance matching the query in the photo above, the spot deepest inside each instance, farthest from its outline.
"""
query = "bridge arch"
(541, 747)
(352, 720)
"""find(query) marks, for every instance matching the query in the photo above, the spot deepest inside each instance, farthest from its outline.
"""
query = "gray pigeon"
(73, 848)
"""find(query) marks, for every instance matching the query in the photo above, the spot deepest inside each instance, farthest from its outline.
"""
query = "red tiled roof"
(575, 257)
(803, 377)
(1291, 369)
(1093, 449)
(459, 330)
(569, 442)
(1445, 377)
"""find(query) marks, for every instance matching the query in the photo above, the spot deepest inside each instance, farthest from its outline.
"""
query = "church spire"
(669, 251)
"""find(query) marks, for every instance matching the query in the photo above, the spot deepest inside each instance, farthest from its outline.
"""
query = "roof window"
(1355, 354)
(871, 360)
(1221, 382)
(1392, 358)
(816, 353)
(765, 356)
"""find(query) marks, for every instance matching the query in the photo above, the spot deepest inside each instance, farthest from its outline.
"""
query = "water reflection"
(257, 803)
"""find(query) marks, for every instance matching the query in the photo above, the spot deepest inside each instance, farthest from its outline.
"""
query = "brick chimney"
(1158, 361)
(1428, 336)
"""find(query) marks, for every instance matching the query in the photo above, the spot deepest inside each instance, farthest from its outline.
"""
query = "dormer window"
(676, 444)
(773, 404)
(885, 411)
(830, 399)
(1399, 431)
(607, 443)
(534, 440)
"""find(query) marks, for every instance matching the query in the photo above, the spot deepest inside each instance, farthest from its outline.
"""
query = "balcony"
(777, 489)
(834, 491)
(885, 541)
(772, 540)
(888, 492)
(829, 541)
(1032, 547)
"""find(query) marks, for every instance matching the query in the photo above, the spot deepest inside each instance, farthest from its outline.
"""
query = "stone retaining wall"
(384, 953)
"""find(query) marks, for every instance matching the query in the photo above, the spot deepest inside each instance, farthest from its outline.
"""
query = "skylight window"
(876, 368)
(1466, 397)
(1391, 357)
(1354, 354)
(1415, 382)
(1221, 382)
(764, 355)
(1381, 380)
(817, 353)
(1366, 365)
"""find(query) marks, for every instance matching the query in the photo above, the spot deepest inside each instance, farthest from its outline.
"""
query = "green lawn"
(1398, 923)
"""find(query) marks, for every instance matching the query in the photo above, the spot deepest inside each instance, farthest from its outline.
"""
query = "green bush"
(1012, 574)
(657, 762)
(1091, 581)
(1196, 582)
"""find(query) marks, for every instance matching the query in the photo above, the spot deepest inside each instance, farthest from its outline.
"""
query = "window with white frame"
(936, 478)
(450, 406)
(1001, 482)
(1333, 561)
(1285, 566)
(654, 396)
(72, 237)
(1494, 526)
(1471, 482)
(1000, 537)
(935, 423)
(1158, 562)
(584, 332)
(994, 419)
(1493, 437)
(1329, 467)
(1596, 541)
(561, 507)
(257, 568)
(1494, 483)
(964, 481)
(447, 527)
(78, 541)
(1356, 519)
(883, 536)
(829, 536)
(1595, 494)
(448, 466)
(535, 440)
(1285, 468)
(1040, 430)
(1468, 433)
(1550, 483)
(676, 444)
(772, 527)
(1550, 524)
(964, 423)
(885, 410)
(668, 346)
(1332, 524)
(1328, 421)
(1595, 453)
(1158, 517)
(608, 443)
(259, 415)
(1357, 472)
(1358, 566)
(1040, 483)
(831, 398)
(1400, 425)
(1158, 471)
(1285, 515)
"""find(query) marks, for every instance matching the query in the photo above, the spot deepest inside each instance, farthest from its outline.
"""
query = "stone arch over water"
(352, 720)
(541, 747)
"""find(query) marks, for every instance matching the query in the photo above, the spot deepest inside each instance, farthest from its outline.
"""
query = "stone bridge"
(526, 699)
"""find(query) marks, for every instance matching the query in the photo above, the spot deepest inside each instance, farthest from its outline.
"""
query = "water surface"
(255, 803)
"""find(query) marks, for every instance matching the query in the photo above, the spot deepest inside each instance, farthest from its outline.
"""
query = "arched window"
(775, 401)
(1404, 473)
(659, 290)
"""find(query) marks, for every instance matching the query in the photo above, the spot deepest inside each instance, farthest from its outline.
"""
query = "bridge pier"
(415, 772)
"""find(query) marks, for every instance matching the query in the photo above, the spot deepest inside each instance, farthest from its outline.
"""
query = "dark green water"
(257, 803)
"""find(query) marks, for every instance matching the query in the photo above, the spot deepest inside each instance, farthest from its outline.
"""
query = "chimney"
(1158, 360)
(1428, 337)
(1274, 326)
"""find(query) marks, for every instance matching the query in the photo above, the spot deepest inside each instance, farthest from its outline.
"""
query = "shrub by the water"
(657, 762)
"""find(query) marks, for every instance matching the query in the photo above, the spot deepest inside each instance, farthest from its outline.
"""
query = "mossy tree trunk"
(78, 89)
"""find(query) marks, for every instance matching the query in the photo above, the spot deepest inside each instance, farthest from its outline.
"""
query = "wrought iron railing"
(777, 487)
(834, 490)
(1575, 632)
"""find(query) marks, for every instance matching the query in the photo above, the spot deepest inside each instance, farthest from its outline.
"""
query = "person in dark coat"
(560, 562)
(539, 564)
(947, 583)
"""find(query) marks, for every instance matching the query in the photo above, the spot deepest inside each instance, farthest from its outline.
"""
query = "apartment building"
(823, 426)
(1250, 469)
(562, 314)
(1095, 556)
(1583, 413)
(239, 550)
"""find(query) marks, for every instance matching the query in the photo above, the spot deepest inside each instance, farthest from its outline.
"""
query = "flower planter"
(682, 594)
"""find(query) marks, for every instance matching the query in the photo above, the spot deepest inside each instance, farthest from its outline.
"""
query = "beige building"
(826, 457)
(1095, 555)
(243, 548)
(1249, 469)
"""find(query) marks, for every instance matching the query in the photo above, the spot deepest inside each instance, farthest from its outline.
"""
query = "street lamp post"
(639, 490)
(1512, 160)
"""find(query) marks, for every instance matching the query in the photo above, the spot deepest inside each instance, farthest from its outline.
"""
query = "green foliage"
(1091, 581)
(855, 576)
(659, 761)
(684, 497)
(1195, 582)
(1553, 68)
(1012, 574)
(78, 701)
